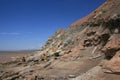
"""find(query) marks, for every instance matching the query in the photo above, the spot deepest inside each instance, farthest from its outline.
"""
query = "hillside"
(88, 50)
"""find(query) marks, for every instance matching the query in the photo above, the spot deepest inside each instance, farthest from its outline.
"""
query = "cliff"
(88, 50)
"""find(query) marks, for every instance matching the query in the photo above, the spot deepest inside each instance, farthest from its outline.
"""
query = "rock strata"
(88, 50)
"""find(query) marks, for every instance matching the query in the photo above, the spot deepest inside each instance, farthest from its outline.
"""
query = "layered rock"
(112, 46)
(76, 51)
(113, 65)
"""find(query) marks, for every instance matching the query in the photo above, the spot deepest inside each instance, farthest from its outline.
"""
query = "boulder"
(112, 46)
(113, 65)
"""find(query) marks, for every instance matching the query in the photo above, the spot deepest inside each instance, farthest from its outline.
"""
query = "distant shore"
(6, 56)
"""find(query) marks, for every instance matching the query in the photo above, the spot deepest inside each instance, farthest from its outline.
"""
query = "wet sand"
(8, 56)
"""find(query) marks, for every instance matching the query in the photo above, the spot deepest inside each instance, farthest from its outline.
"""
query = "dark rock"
(113, 66)
(47, 64)
(112, 46)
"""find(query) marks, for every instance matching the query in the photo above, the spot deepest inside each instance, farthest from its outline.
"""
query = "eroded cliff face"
(88, 50)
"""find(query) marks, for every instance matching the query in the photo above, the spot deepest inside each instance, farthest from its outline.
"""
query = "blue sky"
(27, 24)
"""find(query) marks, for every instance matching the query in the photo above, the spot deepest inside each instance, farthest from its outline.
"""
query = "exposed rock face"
(113, 45)
(113, 66)
(76, 51)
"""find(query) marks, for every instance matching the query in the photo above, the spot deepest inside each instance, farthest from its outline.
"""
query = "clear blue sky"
(27, 24)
